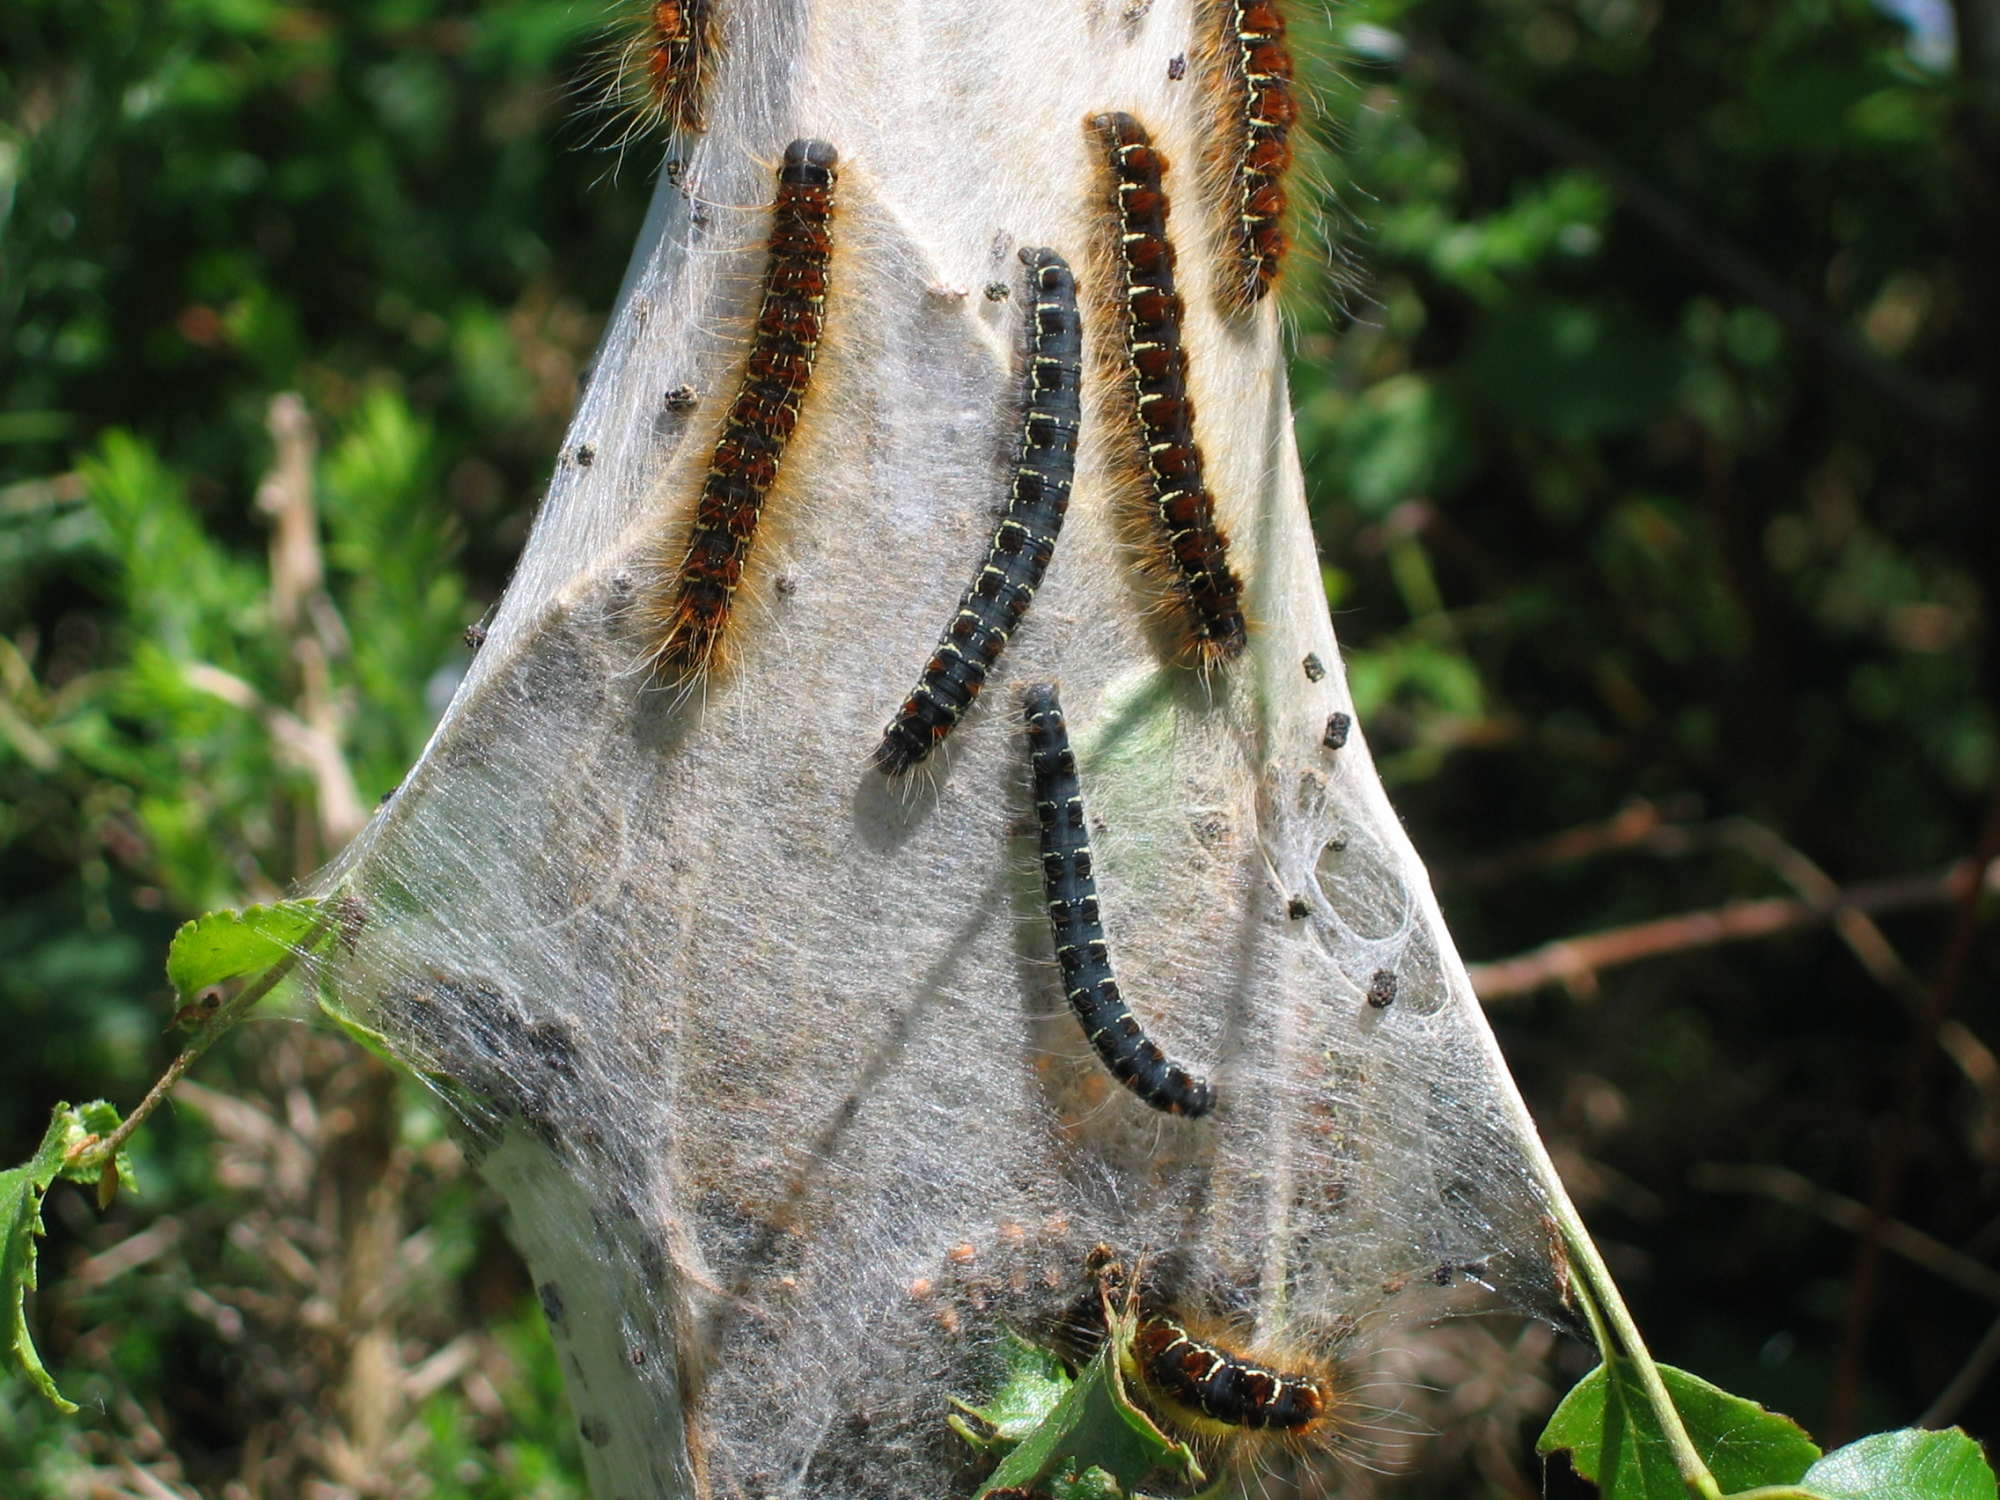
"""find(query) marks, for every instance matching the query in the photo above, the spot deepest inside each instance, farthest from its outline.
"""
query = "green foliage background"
(1652, 448)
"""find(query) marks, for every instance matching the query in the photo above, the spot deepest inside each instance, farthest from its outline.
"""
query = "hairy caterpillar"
(1204, 1385)
(1195, 552)
(1259, 109)
(662, 63)
(691, 610)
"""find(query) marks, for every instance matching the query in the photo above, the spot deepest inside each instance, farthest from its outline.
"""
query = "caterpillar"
(1003, 588)
(1196, 551)
(1208, 1384)
(1069, 888)
(1200, 1384)
(1259, 110)
(661, 68)
(690, 612)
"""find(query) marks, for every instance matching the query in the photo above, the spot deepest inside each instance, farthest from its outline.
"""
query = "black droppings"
(1315, 668)
(1382, 989)
(1337, 727)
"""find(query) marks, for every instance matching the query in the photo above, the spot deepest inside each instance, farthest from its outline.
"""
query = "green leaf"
(1907, 1465)
(21, 1190)
(1607, 1427)
(221, 945)
(1036, 1382)
(1093, 1427)
(1091, 1484)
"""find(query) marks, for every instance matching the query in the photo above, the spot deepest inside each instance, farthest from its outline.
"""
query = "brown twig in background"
(1578, 961)
(311, 748)
(1658, 828)
(1970, 1376)
(1782, 1185)
(1898, 1145)
(304, 615)
(1871, 947)
(1632, 826)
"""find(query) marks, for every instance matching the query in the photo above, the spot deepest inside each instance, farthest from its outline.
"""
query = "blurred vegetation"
(1652, 455)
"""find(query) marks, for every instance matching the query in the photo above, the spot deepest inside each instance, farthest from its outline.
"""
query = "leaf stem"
(1603, 1305)
(105, 1149)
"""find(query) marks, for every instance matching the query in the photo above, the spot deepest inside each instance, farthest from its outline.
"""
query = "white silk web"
(768, 1055)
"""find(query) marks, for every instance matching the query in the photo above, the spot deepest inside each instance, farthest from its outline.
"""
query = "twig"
(1577, 961)
(303, 612)
(315, 750)
(1971, 1375)
(1617, 1337)
(1656, 829)
(104, 1150)
(1899, 1140)
(1872, 949)
(1632, 826)
(1788, 1187)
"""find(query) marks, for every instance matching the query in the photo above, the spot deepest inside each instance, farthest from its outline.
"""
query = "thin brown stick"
(1970, 1377)
(1782, 1185)
(1873, 950)
(1577, 961)
(1630, 827)
(97, 1153)
(1899, 1140)
(305, 616)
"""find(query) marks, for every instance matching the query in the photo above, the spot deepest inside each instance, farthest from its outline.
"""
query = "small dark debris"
(1298, 907)
(586, 455)
(556, 1046)
(1315, 668)
(1337, 844)
(1337, 727)
(997, 291)
(1449, 1272)
(593, 1432)
(653, 1263)
(193, 1017)
(1382, 989)
(353, 911)
(552, 1303)
(636, 1355)
(475, 637)
(1177, 67)
(388, 796)
(682, 398)
(785, 585)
